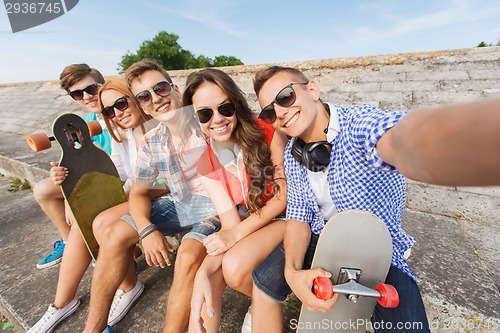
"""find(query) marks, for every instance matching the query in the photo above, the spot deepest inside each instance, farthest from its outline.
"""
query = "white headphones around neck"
(227, 156)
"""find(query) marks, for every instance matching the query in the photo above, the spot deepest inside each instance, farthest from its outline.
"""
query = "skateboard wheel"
(38, 141)
(94, 128)
(323, 288)
(389, 297)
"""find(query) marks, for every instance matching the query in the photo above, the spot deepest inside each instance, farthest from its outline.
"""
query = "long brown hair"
(120, 86)
(247, 134)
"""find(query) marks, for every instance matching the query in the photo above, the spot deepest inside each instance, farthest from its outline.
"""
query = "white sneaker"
(53, 317)
(247, 323)
(122, 302)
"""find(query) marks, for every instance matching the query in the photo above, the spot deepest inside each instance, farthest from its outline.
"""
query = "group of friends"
(249, 192)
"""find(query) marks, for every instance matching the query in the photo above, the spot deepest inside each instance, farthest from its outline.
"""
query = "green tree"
(165, 50)
(203, 61)
(483, 44)
(222, 60)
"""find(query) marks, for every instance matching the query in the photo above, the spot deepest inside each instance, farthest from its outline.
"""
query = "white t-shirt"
(124, 155)
(319, 180)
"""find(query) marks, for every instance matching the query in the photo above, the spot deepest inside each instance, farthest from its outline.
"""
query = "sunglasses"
(120, 104)
(163, 89)
(227, 110)
(285, 98)
(92, 89)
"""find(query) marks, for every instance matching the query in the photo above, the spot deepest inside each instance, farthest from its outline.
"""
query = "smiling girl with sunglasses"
(242, 171)
(126, 122)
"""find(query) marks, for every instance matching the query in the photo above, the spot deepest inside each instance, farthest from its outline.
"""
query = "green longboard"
(93, 184)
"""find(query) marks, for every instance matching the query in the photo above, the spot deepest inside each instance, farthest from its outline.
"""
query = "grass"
(293, 303)
(6, 325)
(16, 184)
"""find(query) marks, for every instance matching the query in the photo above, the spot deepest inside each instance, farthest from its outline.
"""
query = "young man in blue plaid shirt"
(343, 158)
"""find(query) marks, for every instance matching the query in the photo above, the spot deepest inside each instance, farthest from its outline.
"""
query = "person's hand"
(301, 282)
(156, 249)
(202, 294)
(58, 173)
(220, 242)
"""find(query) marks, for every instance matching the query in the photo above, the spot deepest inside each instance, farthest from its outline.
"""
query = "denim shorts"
(269, 277)
(195, 214)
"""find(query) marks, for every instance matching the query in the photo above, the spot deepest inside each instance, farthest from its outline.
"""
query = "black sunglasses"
(227, 110)
(163, 89)
(120, 104)
(92, 89)
(285, 98)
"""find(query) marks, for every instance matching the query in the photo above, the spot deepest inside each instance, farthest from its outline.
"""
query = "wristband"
(146, 234)
(146, 229)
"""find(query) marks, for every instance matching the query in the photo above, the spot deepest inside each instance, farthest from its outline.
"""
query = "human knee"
(235, 272)
(101, 223)
(45, 189)
(189, 256)
(118, 236)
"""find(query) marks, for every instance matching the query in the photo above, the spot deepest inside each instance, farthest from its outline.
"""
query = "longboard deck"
(351, 239)
(94, 193)
(93, 184)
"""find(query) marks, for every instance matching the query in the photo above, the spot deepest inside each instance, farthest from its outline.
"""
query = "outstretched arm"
(457, 145)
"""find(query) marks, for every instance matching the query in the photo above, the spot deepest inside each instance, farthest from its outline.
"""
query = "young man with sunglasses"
(342, 158)
(82, 84)
(170, 152)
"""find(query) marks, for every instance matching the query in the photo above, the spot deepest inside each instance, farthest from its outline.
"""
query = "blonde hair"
(112, 126)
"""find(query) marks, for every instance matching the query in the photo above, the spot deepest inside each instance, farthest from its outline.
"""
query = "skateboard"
(356, 247)
(93, 184)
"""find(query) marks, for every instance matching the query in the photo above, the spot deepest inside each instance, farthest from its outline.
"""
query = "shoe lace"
(57, 249)
(116, 300)
(46, 317)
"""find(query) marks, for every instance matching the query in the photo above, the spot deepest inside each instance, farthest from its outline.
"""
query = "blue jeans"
(269, 277)
(194, 213)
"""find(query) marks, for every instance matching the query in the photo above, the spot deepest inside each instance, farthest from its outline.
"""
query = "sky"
(100, 32)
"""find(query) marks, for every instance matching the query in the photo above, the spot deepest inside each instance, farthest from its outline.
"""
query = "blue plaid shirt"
(357, 176)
